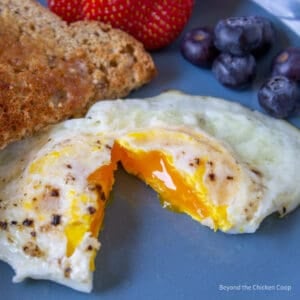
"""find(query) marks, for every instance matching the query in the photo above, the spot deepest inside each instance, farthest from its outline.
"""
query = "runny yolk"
(181, 193)
(102, 179)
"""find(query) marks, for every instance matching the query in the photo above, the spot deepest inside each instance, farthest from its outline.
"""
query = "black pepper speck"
(28, 222)
(54, 193)
(212, 176)
(89, 248)
(56, 219)
(3, 225)
(91, 210)
(102, 196)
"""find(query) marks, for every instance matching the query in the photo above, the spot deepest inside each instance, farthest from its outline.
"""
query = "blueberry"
(197, 46)
(234, 71)
(267, 37)
(287, 63)
(243, 35)
(278, 96)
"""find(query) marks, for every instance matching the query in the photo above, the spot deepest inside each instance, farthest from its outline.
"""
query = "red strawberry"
(156, 23)
(68, 10)
(114, 12)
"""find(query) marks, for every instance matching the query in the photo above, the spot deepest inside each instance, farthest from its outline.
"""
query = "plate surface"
(151, 253)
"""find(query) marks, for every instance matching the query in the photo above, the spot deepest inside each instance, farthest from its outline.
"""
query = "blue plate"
(152, 253)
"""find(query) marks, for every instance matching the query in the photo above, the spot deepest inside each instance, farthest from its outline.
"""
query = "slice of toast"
(50, 71)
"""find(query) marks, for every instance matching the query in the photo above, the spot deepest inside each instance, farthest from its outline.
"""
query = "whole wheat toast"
(50, 71)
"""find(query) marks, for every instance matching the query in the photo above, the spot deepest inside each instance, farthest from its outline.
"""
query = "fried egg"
(222, 164)
(52, 205)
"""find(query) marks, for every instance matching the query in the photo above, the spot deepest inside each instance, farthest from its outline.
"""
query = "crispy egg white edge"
(268, 145)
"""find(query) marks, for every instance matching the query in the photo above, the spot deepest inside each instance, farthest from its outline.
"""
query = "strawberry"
(69, 10)
(115, 12)
(156, 23)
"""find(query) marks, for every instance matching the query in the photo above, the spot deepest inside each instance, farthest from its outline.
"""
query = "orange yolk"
(179, 191)
(102, 179)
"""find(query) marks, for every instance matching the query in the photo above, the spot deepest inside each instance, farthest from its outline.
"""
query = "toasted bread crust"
(50, 71)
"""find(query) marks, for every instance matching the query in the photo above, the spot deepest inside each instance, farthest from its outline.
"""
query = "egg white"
(266, 148)
(42, 177)
(264, 152)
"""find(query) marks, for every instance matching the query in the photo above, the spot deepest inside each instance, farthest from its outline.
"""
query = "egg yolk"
(178, 191)
(102, 180)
